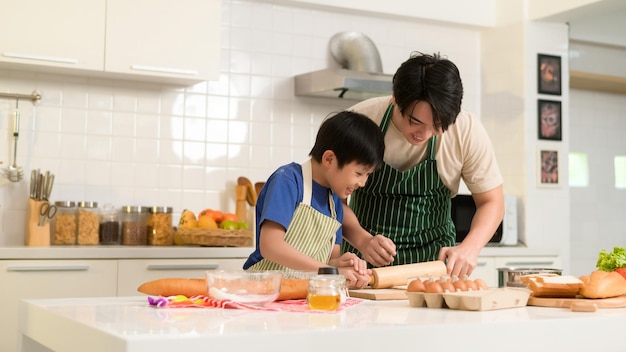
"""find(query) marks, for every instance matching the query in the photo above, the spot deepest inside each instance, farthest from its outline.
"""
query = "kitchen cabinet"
(153, 37)
(134, 272)
(137, 39)
(21, 279)
(56, 34)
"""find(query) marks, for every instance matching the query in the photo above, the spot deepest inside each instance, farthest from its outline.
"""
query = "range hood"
(342, 83)
(360, 76)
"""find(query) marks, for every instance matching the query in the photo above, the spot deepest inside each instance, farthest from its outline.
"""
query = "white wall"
(130, 143)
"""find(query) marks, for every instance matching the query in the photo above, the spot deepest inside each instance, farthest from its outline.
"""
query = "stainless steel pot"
(510, 277)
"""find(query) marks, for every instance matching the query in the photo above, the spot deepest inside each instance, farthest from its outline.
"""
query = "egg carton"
(481, 300)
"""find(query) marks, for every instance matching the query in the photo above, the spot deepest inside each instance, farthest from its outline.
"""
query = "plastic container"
(134, 227)
(327, 290)
(160, 229)
(109, 230)
(65, 223)
(88, 223)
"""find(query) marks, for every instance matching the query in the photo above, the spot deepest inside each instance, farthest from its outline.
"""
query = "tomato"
(621, 271)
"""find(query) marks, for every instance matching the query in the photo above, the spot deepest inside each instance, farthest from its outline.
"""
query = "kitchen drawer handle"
(41, 58)
(550, 262)
(180, 71)
(481, 264)
(183, 266)
(49, 268)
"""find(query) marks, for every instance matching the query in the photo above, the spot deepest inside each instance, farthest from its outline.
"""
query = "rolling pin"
(398, 275)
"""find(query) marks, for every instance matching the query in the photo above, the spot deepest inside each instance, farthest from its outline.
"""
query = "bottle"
(134, 227)
(88, 223)
(65, 223)
(326, 290)
(109, 231)
(160, 228)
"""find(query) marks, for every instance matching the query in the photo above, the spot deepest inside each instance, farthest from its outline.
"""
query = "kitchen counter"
(130, 324)
(164, 252)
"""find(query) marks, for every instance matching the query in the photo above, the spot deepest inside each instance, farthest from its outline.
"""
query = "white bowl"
(248, 287)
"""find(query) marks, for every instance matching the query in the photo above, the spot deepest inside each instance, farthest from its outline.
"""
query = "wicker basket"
(213, 237)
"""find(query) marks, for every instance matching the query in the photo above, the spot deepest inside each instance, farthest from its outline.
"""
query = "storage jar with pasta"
(65, 223)
(88, 223)
(160, 228)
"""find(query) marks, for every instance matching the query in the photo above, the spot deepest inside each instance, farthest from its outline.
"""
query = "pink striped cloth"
(296, 305)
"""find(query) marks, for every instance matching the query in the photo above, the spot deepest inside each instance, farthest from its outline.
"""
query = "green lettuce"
(613, 260)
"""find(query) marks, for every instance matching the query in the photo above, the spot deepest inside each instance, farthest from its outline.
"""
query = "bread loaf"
(552, 285)
(289, 288)
(602, 284)
(174, 287)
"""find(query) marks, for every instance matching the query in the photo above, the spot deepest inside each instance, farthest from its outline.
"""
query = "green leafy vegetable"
(613, 260)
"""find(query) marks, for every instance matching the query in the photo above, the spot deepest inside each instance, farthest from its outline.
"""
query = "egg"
(481, 284)
(447, 286)
(471, 285)
(460, 285)
(433, 287)
(416, 286)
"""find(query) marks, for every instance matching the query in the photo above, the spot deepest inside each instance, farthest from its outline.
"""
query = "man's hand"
(379, 251)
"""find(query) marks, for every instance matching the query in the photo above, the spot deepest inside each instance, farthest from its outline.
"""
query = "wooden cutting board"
(613, 302)
(379, 294)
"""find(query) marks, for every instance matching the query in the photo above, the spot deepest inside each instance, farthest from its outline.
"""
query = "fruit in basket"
(228, 225)
(242, 225)
(188, 219)
(216, 215)
(207, 222)
(230, 216)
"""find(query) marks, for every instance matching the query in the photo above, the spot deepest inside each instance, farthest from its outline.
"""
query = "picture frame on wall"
(549, 120)
(548, 175)
(549, 74)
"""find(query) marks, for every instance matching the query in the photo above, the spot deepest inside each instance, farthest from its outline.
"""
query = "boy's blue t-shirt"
(279, 198)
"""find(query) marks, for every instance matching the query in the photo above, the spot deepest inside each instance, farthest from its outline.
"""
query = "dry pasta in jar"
(88, 223)
(65, 223)
(160, 228)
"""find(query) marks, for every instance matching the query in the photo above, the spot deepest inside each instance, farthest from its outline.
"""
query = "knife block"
(36, 236)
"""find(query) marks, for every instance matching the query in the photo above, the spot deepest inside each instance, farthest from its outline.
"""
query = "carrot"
(174, 286)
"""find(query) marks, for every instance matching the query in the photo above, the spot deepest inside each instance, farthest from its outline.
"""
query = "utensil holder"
(36, 236)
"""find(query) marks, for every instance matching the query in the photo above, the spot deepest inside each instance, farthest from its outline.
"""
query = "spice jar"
(109, 230)
(88, 223)
(326, 290)
(160, 229)
(65, 223)
(134, 227)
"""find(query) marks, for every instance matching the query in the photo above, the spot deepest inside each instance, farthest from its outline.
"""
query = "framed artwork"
(548, 175)
(549, 74)
(549, 120)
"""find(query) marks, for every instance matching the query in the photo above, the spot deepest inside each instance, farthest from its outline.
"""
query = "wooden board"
(613, 302)
(379, 294)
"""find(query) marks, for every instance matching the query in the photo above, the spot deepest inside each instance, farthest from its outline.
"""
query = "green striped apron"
(309, 231)
(412, 208)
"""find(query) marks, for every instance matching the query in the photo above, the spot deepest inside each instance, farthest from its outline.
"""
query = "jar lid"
(87, 204)
(328, 270)
(65, 204)
(134, 209)
(160, 210)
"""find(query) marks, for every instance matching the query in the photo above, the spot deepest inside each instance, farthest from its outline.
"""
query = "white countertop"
(129, 324)
(164, 252)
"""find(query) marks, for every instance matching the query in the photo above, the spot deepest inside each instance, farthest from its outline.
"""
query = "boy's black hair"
(434, 80)
(352, 137)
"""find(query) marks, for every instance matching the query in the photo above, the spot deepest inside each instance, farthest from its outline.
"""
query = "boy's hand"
(353, 278)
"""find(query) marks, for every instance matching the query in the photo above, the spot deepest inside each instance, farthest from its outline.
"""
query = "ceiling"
(602, 22)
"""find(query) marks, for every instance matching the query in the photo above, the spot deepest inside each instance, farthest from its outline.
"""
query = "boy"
(299, 211)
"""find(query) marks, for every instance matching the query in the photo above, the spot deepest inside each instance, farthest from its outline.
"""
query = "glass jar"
(65, 223)
(160, 228)
(134, 227)
(109, 230)
(88, 223)
(326, 291)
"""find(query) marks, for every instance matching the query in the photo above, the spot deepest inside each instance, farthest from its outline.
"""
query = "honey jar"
(326, 291)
